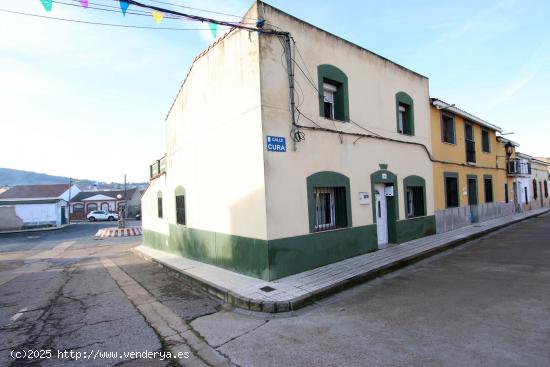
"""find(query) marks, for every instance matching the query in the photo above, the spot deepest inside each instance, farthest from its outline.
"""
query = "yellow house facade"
(469, 163)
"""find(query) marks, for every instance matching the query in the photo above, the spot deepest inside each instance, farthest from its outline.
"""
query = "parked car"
(101, 215)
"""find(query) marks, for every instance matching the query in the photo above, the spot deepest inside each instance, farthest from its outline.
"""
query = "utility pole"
(69, 208)
(125, 199)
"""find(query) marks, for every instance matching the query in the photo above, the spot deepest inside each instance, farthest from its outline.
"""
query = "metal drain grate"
(267, 289)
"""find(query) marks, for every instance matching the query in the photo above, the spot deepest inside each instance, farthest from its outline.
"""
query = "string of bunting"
(157, 16)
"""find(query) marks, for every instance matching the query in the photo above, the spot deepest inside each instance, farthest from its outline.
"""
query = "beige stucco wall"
(9, 220)
(539, 173)
(214, 144)
(373, 84)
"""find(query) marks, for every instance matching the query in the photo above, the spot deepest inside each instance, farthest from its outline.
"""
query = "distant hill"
(12, 177)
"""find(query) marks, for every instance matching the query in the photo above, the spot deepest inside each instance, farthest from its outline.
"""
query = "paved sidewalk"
(296, 291)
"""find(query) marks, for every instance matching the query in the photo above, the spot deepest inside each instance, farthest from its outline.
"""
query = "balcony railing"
(157, 168)
(518, 167)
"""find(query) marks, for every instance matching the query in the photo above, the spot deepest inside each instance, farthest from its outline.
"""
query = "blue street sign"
(276, 144)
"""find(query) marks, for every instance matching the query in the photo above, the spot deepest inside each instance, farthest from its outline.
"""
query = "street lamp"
(121, 209)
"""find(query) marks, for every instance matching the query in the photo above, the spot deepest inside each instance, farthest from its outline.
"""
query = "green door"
(472, 198)
(63, 218)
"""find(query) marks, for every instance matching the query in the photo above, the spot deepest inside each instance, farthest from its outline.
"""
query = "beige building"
(243, 188)
(539, 183)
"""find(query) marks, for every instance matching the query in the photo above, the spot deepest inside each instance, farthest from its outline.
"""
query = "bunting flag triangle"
(157, 16)
(213, 29)
(47, 4)
(124, 6)
(84, 3)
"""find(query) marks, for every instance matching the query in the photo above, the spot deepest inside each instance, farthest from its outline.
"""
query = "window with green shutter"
(405, 113)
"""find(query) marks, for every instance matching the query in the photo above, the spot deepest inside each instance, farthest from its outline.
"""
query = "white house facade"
(35, 206)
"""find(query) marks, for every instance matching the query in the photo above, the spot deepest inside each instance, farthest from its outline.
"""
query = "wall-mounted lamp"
(509, 149)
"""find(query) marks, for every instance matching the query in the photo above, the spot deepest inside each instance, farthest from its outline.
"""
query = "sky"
(87, 101)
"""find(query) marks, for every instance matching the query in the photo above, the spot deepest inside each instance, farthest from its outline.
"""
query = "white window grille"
(324, 208)
(401, 118)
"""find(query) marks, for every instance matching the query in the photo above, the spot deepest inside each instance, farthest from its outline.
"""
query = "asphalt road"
(486, 303)
(57, 295)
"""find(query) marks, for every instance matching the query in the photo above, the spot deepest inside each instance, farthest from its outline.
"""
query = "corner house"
(242, 188)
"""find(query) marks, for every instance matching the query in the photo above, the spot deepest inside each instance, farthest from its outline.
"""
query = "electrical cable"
(116, 9)
(112, 9)
(102, 24)
(308, 77)
(202, 10)
(258, 27)
(372, 135)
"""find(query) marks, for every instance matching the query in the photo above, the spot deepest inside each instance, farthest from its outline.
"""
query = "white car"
(101, 215)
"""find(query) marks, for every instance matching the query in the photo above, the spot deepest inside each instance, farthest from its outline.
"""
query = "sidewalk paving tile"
(298, 287)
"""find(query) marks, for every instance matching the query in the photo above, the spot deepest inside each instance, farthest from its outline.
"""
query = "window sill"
(330, 230)
(417, 216)
(335, 119)
(451, 144)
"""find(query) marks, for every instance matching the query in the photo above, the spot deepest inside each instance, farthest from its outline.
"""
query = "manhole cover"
(267, 289)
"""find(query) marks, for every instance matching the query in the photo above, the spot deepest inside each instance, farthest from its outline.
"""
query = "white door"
(381, 214)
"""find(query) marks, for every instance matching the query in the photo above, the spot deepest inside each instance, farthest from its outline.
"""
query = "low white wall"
(454, 218)
(38, 214)
(18, 216)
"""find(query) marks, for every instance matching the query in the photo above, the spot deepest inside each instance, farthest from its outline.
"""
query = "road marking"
(18, 315)
(176, 332)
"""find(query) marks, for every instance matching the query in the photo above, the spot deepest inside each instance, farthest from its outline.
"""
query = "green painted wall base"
(241, 254)
(275, 259)
(296, 254)
(411, 229)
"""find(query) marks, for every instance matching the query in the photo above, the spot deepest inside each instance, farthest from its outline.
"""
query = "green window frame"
(452, 189)
(159, 204)
(485, 141)
(488, 188)
(473, 192)
(181, 215)
(322, 182)
(404, 109)
(448, 134)
(415, 196)
(332, 75)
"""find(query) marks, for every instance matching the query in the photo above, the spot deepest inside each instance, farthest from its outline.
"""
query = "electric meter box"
(364, 198)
